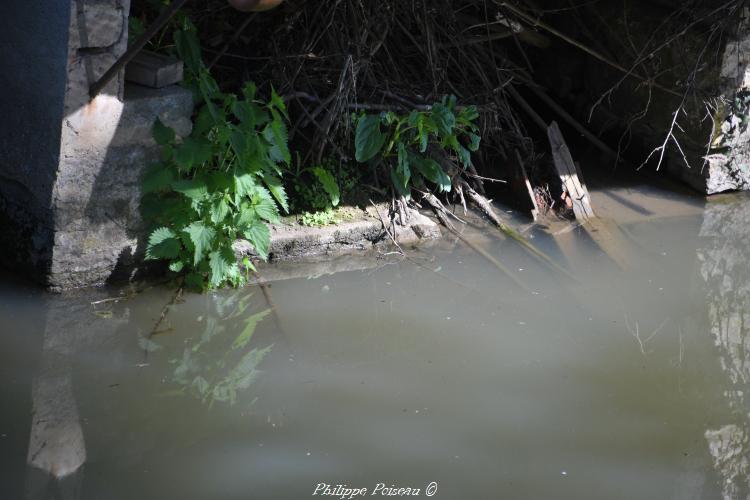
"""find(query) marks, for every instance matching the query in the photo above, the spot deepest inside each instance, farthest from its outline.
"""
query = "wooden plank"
(607, 236)
(522, 190)
(154, 70)
(568, 172)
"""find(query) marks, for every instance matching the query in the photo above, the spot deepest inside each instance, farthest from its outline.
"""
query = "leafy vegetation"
(322, 187)
(320, 218)
(220, 183)
(407, 143)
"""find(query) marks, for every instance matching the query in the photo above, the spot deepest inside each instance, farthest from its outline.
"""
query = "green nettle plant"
(405, 143)
(220, 183)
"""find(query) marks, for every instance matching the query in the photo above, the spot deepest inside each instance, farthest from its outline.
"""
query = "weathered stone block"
(173, 105)
(107, 144)
(98, 23)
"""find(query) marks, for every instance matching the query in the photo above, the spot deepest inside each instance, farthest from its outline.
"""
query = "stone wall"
(71, 166)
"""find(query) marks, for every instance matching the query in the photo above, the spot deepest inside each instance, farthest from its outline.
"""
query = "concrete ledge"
(363, 231)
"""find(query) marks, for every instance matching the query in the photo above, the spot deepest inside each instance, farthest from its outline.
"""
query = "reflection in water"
(397, 375)
(216, 365)
(724, 268)
(57, 448)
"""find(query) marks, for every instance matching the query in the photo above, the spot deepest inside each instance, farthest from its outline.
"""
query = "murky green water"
(630, 382)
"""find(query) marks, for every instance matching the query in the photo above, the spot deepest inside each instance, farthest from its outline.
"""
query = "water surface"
(626, 380)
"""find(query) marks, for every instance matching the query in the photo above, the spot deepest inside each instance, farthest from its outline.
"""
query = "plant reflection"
(219, 363)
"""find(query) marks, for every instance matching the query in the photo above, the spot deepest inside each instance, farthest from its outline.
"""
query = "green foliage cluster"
(319, 218)
(402, 142)
(321, 187)
(220, 183)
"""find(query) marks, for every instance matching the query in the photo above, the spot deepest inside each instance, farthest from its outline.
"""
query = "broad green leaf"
(278, 103)
(245, 146)
(188, 48)
(195, 189)
(265, 207)
(221, 262)
(251, 324)
(388, 117)
(163, 135)
(468, 115)
(403, 165)
(276, 134)
(368, 138)
(157, 178)
(449, 101)
(244, 184)
(277, 190)
(258, 234)
(222, 134)
(474, 144)
(202, 237)
(464, 156)
(432, 171)
(220, 181)
(422, 135)
(170, 210)
(444, 119)
(192, 152)
(219, 210)
(246, 215)
(209, 90)
(203, 122)
(162, 244)
(329, 184)
(176, 266)
(250, 114)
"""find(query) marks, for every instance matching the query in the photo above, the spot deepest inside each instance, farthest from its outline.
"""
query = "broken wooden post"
(607, 236)
(570, 176)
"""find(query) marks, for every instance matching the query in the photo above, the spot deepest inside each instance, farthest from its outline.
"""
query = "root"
(391, 235)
